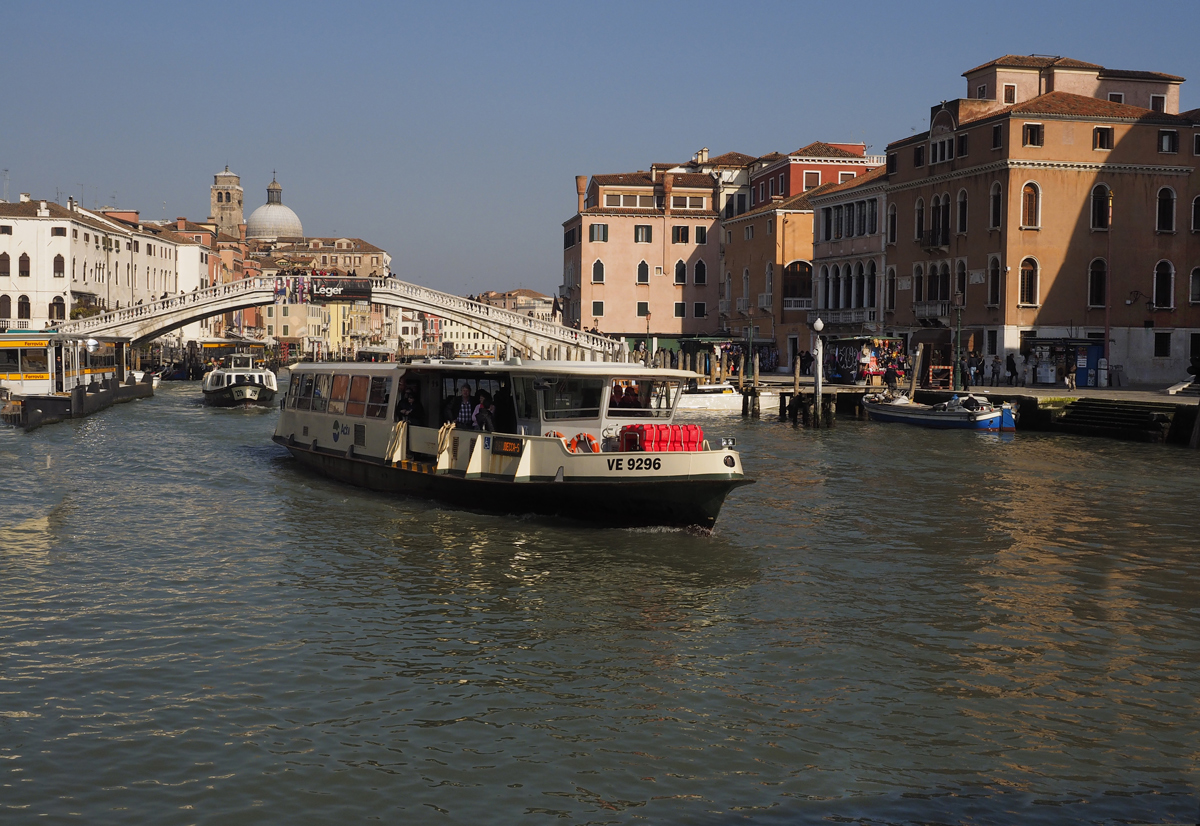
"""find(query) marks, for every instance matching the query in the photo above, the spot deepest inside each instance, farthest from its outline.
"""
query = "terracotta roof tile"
(731, 159)
(1136, 75)
(795, 202)
(686, 180)
(1065, 103)
(857, 181)
(818, 149)
(57, 212)
(1034, 62)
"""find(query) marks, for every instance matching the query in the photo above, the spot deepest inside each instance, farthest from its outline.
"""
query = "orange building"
(1056, 203)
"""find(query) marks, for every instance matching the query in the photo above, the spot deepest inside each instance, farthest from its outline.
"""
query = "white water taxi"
(240, 384)
(594, 441)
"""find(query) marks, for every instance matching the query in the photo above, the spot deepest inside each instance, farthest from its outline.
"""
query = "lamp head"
(818, 325)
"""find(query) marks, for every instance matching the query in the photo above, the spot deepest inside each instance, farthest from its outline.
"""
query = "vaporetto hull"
(592, 441)
(997, 419)
(608, 500)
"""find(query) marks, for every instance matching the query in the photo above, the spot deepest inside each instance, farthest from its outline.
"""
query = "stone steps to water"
(1136, 421)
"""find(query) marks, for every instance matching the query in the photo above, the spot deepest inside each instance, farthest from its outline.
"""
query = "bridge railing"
(498, 315)
(127, 315)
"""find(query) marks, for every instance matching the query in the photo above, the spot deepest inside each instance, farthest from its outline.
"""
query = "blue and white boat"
(961, 413)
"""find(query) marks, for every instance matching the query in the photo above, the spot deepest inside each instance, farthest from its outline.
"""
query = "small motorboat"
(968, 412)
(140, 376)
(241, 384)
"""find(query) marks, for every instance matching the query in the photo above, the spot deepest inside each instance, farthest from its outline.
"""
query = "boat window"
(643, 398)
(9, 361)
(359, 387)
(34, 360)
(570, 397)
(218, 380)
(320, 392)
(526, 397)
(306, 390)
(293, 390)
(337, 394)
(377, 401)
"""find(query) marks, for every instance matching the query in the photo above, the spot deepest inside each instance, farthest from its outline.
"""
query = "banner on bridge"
(339, 289)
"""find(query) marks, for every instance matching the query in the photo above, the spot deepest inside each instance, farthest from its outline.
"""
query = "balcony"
(723, 306)
(743, 305)
(935, 240)
(14, 324)
(797, 304)
(931, 309)
(858, 315)
(765, 301)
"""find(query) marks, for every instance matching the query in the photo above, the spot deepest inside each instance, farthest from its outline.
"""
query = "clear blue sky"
(450, 133)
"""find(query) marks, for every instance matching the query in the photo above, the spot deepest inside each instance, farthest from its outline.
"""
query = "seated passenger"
(630, 399)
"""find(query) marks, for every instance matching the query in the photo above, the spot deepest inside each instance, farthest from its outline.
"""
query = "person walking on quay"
(965, 372)
(996, 370)
(1011, 366)
(1031, 363)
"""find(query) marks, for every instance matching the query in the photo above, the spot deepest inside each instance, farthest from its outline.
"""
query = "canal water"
(891, 626)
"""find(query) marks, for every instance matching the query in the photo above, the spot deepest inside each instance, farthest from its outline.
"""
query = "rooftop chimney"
(25, 198)
(668, 184)
(581, 191)
(180, 224)
(702, 155)
(43, 212)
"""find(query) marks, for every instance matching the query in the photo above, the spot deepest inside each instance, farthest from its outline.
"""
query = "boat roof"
(540, 367)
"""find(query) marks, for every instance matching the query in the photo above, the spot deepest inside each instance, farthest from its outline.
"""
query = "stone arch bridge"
(525, 336)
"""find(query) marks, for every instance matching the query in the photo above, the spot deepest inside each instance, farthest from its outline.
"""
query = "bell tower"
(225, 202)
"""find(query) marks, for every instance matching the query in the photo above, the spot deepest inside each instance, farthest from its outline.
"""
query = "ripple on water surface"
(890, 626)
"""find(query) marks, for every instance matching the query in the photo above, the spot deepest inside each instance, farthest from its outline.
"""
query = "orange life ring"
(584, 443)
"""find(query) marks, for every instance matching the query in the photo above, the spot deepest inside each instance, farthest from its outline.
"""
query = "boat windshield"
(570, 397)
(642, 398)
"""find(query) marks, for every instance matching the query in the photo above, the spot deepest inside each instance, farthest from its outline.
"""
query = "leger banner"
(339, 289)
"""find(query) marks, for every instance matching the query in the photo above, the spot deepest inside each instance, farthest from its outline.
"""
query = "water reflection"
(887, 627)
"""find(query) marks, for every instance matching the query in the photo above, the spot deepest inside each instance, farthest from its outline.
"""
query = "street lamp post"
(818, 326)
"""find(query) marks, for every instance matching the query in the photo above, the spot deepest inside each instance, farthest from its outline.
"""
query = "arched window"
(4, 264)
(746, 284)
(824, 288)
(1097, 283)
(1166, 210)
(1100, 207)
(598, 272)
(962, 210)
(60, 266)
(23, 266)
(943, 225)
(997, 206)
(918, 284)
(860, 283)
(1194, 287)
(680, 272)
(945, 283)
(1029, 282)
(23, 307)
(1030, 205)
(58, 310)
(994, 282)
(1164, 286)
(797, 280)
(770, 279)
(701, 272)
(960, 280)
(643, 273)
(919, 218)
(5, 307)
(891, 227)
(870, 288)
(890, 297)
(935, 219)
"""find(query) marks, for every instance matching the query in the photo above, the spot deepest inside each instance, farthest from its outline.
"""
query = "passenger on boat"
(889, 378)
(484, 413)
(461, 410)
(505, 412)
(630, 399)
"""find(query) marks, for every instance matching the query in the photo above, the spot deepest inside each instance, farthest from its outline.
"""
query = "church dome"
(273, 220)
